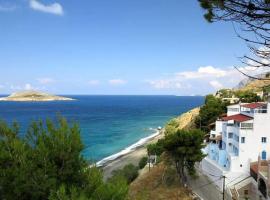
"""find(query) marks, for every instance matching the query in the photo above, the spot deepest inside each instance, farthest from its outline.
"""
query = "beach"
(132, 157)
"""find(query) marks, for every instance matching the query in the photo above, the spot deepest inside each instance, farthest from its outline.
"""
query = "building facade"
(237, 141)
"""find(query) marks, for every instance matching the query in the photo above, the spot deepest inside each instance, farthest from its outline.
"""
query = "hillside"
(184, 121)
(162, 182)
(34, 96)
(256, 85)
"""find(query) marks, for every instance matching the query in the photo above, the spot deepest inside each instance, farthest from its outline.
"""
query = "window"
(233, 109)
(230, 135)
(264, 139)
(264, 155)
(243, 139)
(246, 126)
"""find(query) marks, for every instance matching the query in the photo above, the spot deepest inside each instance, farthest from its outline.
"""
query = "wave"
(128, 149)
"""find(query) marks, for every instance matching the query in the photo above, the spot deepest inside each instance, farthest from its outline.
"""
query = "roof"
(253, 105)
(237, 118)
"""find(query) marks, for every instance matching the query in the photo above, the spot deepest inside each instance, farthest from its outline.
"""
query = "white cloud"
(215, 84)
(117, 82)
(28, 86)
(208, 71)
(93, 82)
(54, 8)
(204, 80)
(166, 84)
(45, 80)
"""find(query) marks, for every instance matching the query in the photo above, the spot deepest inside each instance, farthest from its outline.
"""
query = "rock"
(31, 95)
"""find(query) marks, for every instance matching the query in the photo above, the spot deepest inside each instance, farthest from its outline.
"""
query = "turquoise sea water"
(108, 123)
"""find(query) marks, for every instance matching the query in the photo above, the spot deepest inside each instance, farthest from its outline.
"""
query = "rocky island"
(34, 96)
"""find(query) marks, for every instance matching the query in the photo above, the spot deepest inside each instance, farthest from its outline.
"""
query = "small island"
(34, 96)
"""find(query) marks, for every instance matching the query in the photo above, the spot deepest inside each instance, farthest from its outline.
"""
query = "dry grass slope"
(256, 85)
(151, 186)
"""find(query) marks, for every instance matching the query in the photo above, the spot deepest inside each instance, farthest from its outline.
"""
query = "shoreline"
(185, 121)
(132, 157)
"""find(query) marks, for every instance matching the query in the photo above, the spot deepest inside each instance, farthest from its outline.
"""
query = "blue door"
(264, 155)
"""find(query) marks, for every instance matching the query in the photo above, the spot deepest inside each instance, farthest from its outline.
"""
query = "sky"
(147, 47)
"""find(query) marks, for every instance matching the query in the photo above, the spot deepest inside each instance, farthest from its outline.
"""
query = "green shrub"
(143, 162)
(128, 172)
(47, 163)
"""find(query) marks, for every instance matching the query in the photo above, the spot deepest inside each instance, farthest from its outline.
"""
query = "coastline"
(132, 157)
(136, 151)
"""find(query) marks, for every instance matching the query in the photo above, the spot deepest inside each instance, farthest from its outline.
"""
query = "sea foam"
(129, 149)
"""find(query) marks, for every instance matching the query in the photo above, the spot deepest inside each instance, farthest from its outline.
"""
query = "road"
(204, 187)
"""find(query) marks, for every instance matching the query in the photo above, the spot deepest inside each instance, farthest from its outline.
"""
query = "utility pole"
(223, 191)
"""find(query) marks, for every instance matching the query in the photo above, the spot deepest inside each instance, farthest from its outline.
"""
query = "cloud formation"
(54, 8)
(166, 84)
(215, 84)
(28, 86)
(202, 72)
(203, 80)
(116, 82)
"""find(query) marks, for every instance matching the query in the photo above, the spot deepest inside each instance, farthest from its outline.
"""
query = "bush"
(129, 173)
(209, 112)
(47, 164)
(143, 162)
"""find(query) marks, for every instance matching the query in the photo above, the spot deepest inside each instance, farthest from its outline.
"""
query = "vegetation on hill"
(47, 164)
(210, 111)
(184, 150)
(159, 183)
(185, 121)
(128, 173)
(244, 95)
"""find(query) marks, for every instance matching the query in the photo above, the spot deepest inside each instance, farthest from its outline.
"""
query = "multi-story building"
(237, 141)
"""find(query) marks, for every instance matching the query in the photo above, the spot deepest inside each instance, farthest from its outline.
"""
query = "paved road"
(204, 187)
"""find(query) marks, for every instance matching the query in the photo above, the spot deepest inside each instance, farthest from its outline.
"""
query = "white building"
(237, 141)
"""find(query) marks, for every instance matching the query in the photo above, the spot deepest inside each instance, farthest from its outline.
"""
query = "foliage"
(225, 93)
(143, 162)
(247, 96)
(155, 148)
(171, 126)
(209, 112)
(128, 173)
(184, 148)
(47, 164)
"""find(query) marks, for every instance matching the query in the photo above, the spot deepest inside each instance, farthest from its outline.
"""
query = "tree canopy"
(46, 163)
(184, 148)
(210, 111)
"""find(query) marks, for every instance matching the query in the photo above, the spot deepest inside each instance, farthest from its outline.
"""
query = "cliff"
(34, 96)
(184, 121)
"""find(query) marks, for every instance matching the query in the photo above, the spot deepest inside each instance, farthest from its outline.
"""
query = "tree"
(247, 96)
(129, 173)
(47, 163)
(252, 16)
(209, 112)
(184, 148)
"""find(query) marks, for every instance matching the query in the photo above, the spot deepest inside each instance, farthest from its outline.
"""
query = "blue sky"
(115, 47)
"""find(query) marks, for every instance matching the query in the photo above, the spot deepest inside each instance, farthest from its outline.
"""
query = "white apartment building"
(238, 140)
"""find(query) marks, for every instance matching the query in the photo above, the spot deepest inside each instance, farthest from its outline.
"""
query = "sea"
(111, 126)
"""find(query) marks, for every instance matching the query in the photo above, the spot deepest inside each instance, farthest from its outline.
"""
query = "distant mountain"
(254, 84)
(34, 96)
